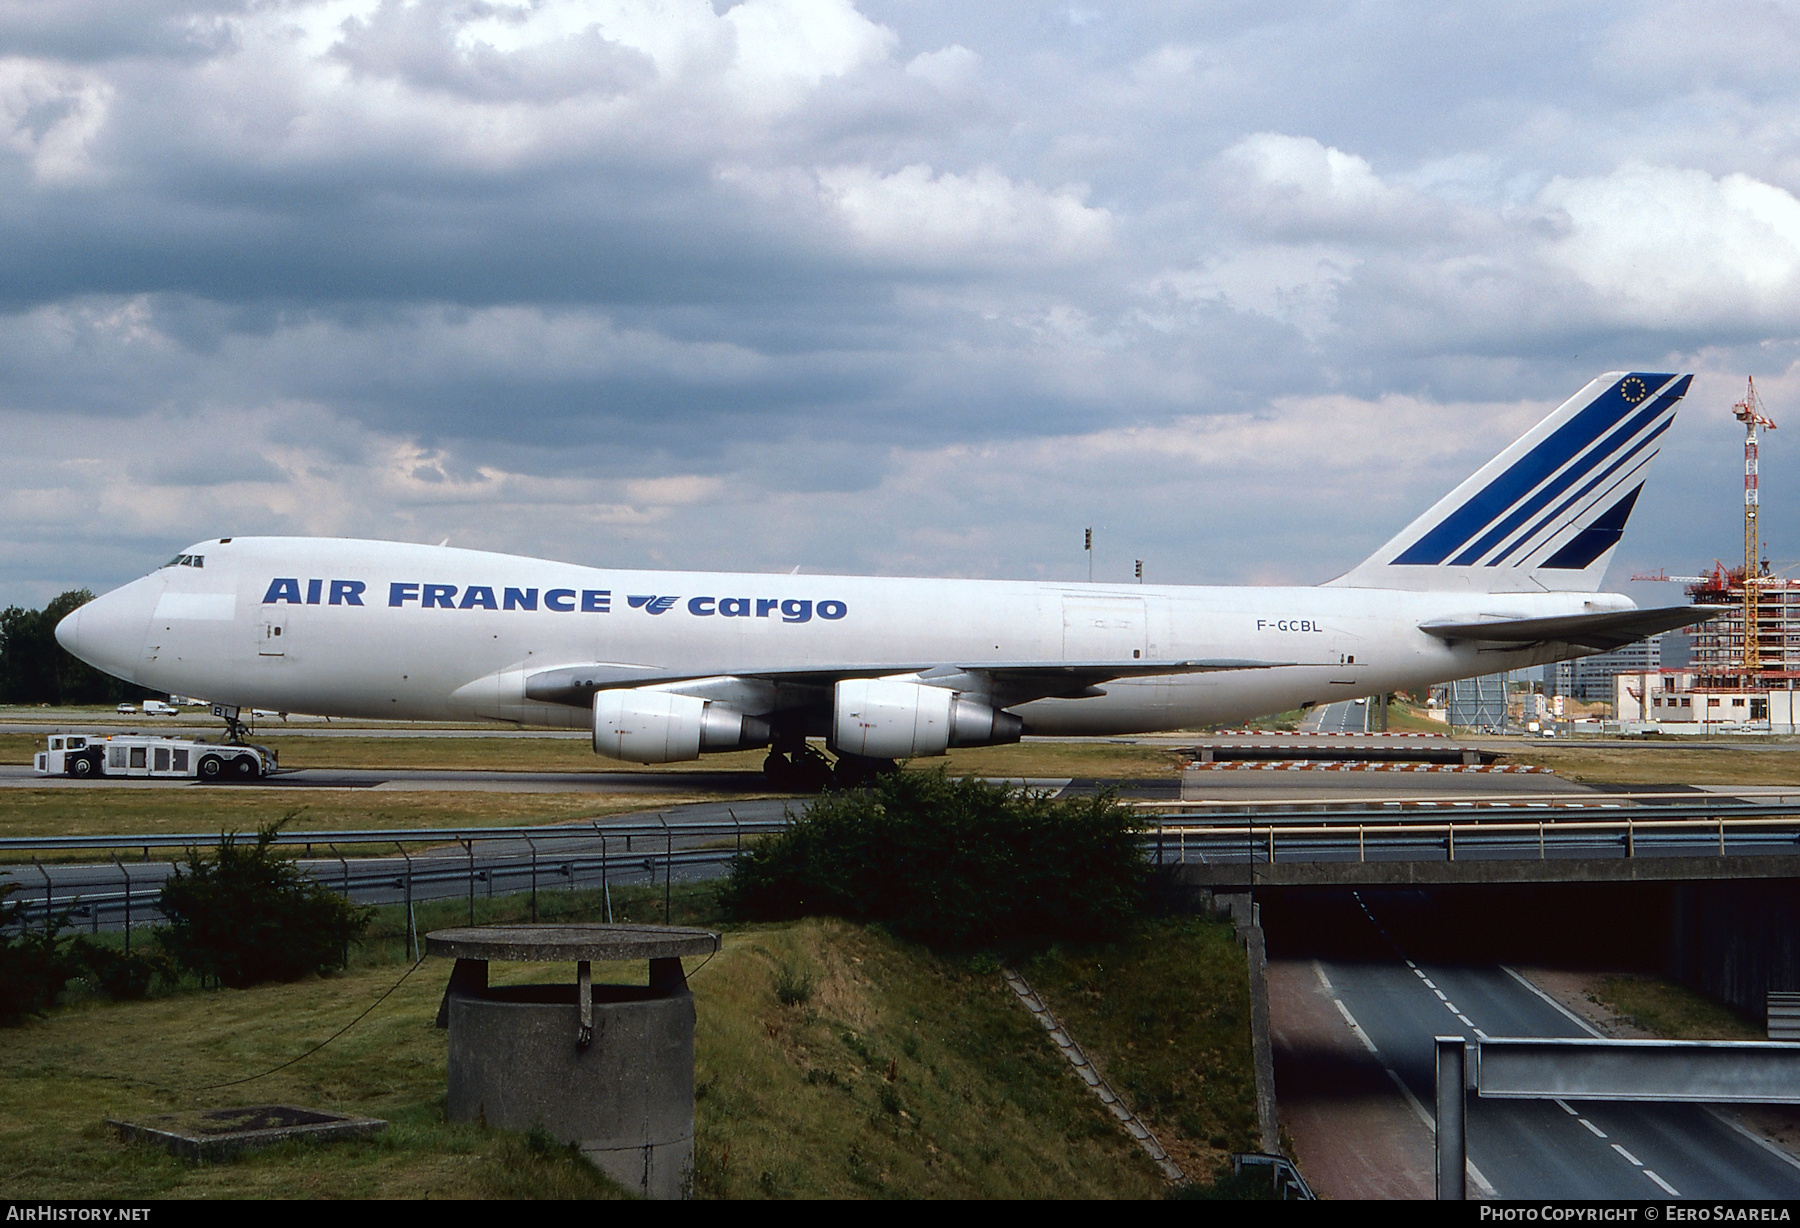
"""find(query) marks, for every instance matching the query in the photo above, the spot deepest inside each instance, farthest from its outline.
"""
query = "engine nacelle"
(884, 718)
(645, 726)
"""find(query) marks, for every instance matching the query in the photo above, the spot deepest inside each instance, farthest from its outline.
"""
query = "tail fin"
(1546, 513)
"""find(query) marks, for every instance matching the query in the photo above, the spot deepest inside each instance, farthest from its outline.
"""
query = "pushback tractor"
(86, 756)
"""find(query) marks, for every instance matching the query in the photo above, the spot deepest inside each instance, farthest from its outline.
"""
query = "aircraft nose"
(108, 632)
(68, 633)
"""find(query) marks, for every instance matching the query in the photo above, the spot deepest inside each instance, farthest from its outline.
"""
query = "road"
(1347, 717)
(1375, 964)
(18, 776)
(97, 892)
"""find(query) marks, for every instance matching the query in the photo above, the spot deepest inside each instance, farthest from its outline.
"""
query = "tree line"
(34, 668)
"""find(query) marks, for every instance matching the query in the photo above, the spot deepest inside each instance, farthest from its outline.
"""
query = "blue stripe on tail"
(1486, 507)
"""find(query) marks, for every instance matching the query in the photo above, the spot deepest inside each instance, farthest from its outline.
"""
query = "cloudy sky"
(891, 288)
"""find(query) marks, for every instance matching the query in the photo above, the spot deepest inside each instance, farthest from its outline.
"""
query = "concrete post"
(608, 1068)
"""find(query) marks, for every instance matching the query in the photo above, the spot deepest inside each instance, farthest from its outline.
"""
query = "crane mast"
(1749, 412)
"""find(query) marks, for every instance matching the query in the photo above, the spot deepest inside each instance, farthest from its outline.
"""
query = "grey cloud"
(86, 31)
(203, 466)
(438, 284)
(417, 44)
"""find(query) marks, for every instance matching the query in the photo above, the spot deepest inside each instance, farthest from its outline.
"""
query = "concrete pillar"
(1452, 1119)
(626, 1100)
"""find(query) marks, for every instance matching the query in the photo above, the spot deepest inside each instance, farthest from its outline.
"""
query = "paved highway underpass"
(1360, 985)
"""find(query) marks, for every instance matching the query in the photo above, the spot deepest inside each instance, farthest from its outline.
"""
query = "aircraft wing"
(1595, 632)
(1010, 682)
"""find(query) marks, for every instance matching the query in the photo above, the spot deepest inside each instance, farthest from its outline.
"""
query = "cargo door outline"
(1104, 628)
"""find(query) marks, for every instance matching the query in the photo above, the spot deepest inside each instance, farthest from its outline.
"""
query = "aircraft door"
(1104, 628)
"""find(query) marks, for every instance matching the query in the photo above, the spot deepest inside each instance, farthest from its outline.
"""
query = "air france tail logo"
(652, 605)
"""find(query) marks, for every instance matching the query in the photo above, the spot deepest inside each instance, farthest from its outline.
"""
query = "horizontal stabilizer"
(1596, 632)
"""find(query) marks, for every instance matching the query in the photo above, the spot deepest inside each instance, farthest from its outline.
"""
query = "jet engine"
(885, 718)
(647, 726)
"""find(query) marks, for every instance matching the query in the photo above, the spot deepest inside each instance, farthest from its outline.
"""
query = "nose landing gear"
(234, 728)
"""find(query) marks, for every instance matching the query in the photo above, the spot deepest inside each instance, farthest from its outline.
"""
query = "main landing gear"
(803, 769)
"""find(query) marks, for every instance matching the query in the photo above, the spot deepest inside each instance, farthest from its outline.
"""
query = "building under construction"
(1745, 661)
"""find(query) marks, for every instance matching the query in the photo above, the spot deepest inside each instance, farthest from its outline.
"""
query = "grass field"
(1166, 1017)
(831, 1061)
(1671, 1011)
(1659, 763)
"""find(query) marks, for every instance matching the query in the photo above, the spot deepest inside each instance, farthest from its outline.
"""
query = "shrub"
(247, 916)
(956, 864)
(34, 963)
(122, 975)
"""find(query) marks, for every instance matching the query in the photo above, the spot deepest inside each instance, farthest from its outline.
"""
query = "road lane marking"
(1411, 1099)
(1475, 1174)
(1319, 971)
(1560, 1009)
(1355, 1027)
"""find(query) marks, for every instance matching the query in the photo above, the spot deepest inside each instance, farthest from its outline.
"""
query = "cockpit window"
(186, 560)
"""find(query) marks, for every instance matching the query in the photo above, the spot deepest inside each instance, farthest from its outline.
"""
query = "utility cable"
(213, 1087)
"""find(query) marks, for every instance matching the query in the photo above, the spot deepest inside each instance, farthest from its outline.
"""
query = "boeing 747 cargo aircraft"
(1502, 573)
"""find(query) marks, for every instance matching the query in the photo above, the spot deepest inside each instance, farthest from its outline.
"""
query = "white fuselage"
(391, 630)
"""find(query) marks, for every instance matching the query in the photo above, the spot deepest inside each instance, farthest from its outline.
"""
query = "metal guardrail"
(1783, 1013)
(381, 862)
(1711, 832)
(1284, 1177)
(417, 835)
(365, 863)
(1171, 813)
(1696, 833)
(1243, 835)
(414, 879)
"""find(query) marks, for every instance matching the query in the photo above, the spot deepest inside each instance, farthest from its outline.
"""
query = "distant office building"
(1677, 649)
(1590, 679)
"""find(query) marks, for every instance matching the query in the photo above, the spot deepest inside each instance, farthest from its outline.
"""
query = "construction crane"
(1749, 412)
